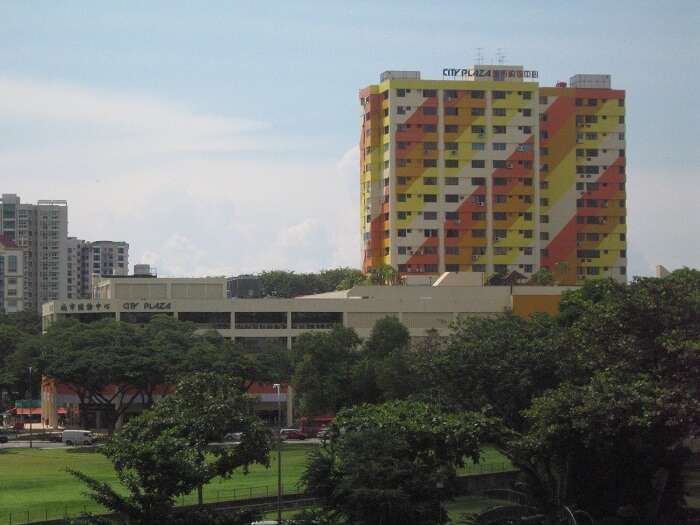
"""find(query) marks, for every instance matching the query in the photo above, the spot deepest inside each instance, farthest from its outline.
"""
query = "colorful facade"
(493, 174)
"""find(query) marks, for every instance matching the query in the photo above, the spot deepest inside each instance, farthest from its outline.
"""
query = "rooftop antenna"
(479, 58)
(500, 56)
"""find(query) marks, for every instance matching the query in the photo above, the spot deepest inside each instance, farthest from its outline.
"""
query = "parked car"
(233, 436)
(292, 433)
(3, 438)
(55, 437)
(323, 433)
(78, 437)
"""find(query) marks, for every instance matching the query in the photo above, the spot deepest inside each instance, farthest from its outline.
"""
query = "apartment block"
(90, 260)
(41, 231)
(487, 171)
(11, 277)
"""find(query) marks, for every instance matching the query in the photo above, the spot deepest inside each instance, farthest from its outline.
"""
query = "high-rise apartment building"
(88, 260)
(11, 276)
(40, 230)
(487, 171)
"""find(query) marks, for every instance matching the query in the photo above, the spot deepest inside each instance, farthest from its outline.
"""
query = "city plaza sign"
(99, 306)
(488, 73)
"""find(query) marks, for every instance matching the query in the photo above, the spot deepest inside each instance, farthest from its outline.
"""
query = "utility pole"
(31, 395)
(277, 387)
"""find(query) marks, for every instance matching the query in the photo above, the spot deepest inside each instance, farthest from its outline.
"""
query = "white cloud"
(140, 170)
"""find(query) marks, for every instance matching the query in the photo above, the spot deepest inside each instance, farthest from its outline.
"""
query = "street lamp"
(277, 388)
(31, 395)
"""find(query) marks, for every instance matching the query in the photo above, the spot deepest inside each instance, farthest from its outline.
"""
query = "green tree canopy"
(166, 452)
(393, 463)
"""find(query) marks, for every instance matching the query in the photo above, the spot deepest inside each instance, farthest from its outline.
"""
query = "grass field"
(35, 486)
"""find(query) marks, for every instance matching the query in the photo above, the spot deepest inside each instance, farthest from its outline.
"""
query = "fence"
(486, 468)
(210, 494)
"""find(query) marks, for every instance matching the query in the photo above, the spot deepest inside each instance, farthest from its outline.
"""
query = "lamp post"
(277, 387)
(31, 394)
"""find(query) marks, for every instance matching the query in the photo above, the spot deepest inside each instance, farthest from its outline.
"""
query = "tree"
(324, 369)
(595, 404)
(165, 453)
(19, 349)
(542, 277)
(281, 283)
(392, 464)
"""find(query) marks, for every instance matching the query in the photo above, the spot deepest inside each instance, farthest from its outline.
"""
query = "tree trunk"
(200, 497)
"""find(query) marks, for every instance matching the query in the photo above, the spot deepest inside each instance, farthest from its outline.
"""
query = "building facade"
(486, 171)
(89, 260)
(11, 277)
(261, 323)
(41, 231)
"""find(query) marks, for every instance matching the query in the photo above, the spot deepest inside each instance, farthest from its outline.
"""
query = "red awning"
(26, 411)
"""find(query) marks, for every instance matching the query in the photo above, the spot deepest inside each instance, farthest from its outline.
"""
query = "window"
(479, 181)
(386, 130)
(403, 250)
(621, 102)
(476, 94)
(544, 185)
(427, 93)
(527, 251)
(451, 216)
(500, 199)
(451, 197)
(429, 197)
(499, 112)
(499, 216)
(527, 129)
(544, 219)
(12, 263)
(429, 110)
(478, 234)
(500, 164)
(430, 163)
(500, 250)
(401, 232)
(479, 130)
(621, 119)
(499, 130)
(400, 110)
(400, 92)
(623, 237)
(430, 215)
(429, 146)
(527, 112)
(479, 216)
(430, 181)
(478, 146)
(500, 181)
(451, 181)
(477, 112)
(623, 253)
(452, 267)
(592, 102)
(526, 233)
(401, 197)
(451, 163)
(478, 163)
(544, 236)
(527, 95)
(451, 145)
(430, 128)
(451, 250)
(452, 233)
(401, 215)
(451, 128)
(451, 111)
(498, 94)
(499, 146)
(401, 180)
(543, 99)
(430, 233)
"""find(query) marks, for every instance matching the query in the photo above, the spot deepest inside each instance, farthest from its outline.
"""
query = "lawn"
(35, 481)
(34, 484)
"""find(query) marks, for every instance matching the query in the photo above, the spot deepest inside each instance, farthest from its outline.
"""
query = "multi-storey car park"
(487, 171)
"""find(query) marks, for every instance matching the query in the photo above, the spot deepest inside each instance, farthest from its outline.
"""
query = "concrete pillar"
(290, 406)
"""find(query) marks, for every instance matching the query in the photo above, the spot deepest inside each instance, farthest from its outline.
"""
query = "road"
(22, 443)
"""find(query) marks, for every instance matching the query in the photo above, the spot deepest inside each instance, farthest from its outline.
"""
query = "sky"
(220, 137)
